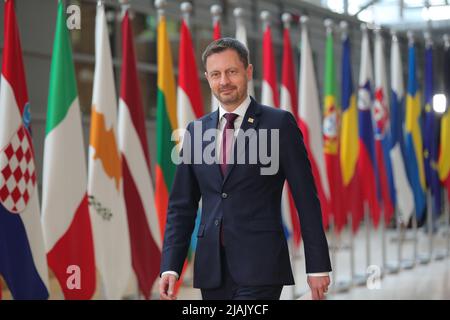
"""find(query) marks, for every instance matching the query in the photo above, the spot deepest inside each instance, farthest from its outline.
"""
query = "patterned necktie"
(227, 141)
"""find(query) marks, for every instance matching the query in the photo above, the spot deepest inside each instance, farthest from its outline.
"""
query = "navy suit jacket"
(247, 205)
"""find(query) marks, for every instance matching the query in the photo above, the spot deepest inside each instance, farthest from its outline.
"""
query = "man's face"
(228, 77)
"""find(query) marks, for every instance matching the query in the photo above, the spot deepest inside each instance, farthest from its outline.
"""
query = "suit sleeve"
(181, 213)
(297, 169)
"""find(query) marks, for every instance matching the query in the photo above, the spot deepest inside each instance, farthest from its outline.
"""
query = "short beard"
(229, 101)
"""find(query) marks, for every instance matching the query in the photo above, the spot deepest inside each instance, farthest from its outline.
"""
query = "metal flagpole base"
(392, 268)
(407, 264)
(440, 255)
(359, 280)
(342, 286)
(424, 259)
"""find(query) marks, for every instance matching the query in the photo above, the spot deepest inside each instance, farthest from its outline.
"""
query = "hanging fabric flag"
(269, 88)
(382, 131)
(288, 92)
(137, 183)
(413, 137)
(241, 35)
(367, 166)
(444, 157)
(105, 182)
(65, 212)
(431, 130)
(310, 121)
(289, 103)
(166, 122)
(23, 262)
(269, 97)
(331, 133)
(216, 11)
(349, 144)
(189, 96)
(404, 198)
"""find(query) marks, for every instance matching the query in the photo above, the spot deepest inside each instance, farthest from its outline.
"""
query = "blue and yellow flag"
(413, 138)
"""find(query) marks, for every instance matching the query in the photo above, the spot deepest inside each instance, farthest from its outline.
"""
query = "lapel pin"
(250, 120)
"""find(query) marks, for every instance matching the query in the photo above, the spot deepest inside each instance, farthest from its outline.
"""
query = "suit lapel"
(212, 123)
(250, 121)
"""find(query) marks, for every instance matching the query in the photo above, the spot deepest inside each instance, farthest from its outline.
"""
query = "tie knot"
(231, 117)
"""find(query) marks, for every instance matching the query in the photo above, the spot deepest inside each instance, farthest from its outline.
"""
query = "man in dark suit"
(241, 249)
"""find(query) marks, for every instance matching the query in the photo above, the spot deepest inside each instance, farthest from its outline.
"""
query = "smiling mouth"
(227, 90)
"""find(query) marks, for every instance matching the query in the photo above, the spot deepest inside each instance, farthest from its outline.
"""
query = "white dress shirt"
(240, 111)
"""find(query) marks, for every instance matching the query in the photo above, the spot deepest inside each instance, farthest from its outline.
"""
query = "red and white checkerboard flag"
(22, 253)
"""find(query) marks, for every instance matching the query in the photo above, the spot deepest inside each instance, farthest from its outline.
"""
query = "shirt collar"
(240, 111)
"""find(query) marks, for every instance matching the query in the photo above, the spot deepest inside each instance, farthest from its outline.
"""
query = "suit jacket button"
(224, 195)
(216, 222)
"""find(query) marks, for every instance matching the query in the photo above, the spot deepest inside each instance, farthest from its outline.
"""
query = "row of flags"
(359, 144)
(101, 220)
(109, 220)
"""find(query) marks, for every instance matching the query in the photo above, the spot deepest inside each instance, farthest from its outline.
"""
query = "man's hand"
(319, 286)
(167, 287)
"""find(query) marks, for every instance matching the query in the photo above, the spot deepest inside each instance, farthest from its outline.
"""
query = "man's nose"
(224, 79)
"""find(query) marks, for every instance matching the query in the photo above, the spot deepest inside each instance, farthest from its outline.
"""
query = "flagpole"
(216, 12)
(160, 5)
(102, 285)
(425, 259)
(442, 253)
(241, 35)
(414, 226)
(125, 5)
(265, 18)
(287, 18)
(352, 250)
(186, 9)
(362, 281)
(238, 14)
(410, 36)
(399, 224)
(447, 222)
(368, 225)
(384, 267)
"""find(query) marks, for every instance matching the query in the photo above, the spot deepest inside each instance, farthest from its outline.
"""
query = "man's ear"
(250, 72)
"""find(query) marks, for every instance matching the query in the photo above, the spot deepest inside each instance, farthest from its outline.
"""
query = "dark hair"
(225, 44)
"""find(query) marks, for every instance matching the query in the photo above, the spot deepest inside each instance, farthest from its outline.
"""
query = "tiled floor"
(424, 281)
